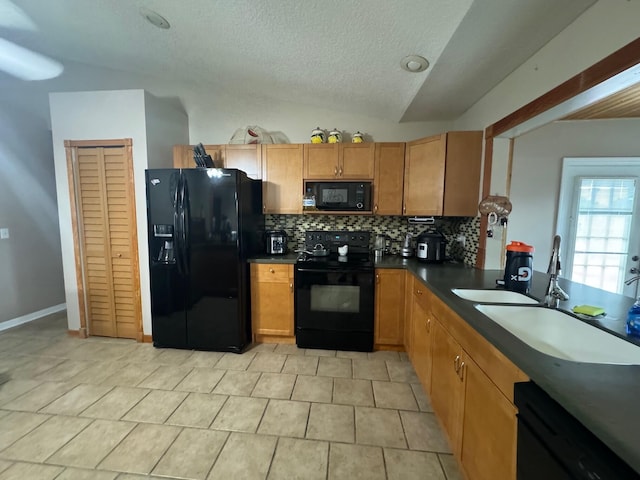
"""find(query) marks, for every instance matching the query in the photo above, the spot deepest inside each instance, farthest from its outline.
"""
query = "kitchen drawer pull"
(456, 363)
(271, 270)
(461, 372)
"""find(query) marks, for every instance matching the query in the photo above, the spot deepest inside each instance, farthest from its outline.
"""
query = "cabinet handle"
(335, 171)
(404, 209)
(419, 292)
(119, 255)
(264, 208)
(340, 171)
(456, 363)
(461, 372)
(272, 270)
(428, 325)
(375, 209)
(291, 286)
(377, 278)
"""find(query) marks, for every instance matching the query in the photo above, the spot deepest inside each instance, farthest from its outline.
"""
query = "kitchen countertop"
(604, 398)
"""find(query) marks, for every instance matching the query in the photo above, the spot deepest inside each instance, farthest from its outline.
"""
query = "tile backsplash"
(395, 227)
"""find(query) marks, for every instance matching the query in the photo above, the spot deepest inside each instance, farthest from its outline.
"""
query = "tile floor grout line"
(165, 451)
(68, 441)
(215, 460)
(218, 412)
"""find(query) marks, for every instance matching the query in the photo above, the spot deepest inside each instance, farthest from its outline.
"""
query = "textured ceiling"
(336, 54)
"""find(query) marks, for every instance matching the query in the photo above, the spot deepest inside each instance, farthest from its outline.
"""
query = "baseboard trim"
(147, 339)
(30, 317)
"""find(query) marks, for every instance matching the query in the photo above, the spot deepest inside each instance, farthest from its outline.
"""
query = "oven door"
(334, 304)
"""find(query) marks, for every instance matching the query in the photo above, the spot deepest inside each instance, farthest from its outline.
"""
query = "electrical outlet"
(4, 233)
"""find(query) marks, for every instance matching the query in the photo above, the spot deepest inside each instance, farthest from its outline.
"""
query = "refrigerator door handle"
(186, 240)
(177, 227)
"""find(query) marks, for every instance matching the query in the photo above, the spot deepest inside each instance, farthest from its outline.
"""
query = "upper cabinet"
(339, 161)
(282, 178)
(243, 157)
(247, 158)
(183, 155)
(462, 174)
(442, 175)
(388, 179)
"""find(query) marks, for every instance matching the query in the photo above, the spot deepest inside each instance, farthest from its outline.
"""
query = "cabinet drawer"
(422, 295)
(269, 272)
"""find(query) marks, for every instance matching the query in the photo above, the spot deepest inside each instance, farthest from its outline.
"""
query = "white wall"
(167, 124)
(102, 115)
(30, 259)
(607, 26)
(537, 166)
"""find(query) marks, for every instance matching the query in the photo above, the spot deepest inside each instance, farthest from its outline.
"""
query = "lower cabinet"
(389, 316)
(272, 303)
(471, 388)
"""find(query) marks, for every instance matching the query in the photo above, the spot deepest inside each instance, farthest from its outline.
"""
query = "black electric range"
(335, 294)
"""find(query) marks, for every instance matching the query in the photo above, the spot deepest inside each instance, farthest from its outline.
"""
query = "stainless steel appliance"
(342, 196)
(334, 295)
(407, 246)
(431, 247)
(276, 242)
(203, 225)
(553, 445)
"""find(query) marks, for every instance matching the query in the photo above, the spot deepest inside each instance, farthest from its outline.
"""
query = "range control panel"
(331, 240)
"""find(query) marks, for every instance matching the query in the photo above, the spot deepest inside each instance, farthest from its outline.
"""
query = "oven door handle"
(337, 270)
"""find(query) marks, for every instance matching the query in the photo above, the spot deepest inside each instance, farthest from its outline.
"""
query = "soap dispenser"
(633, 319)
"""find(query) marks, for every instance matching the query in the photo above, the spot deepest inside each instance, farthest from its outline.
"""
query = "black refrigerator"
(203, 223)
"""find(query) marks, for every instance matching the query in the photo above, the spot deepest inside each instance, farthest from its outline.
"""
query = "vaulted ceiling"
(336, 54)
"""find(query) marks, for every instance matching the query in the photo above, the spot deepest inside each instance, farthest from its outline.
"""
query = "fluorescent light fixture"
(26, 64)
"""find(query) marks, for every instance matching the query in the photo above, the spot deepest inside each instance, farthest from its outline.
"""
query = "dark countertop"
(602, 397)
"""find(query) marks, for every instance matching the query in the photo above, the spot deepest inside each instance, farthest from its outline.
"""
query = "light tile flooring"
(99, 408)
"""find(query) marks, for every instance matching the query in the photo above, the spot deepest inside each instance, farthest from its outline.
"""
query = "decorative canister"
(357, 138)
(318, 136)
(335, 136)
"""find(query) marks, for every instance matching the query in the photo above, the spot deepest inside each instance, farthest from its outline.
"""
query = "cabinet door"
(272, 300)
(388, 179)
(489, 431)
(357, 161)
(183, 155)
(408, 308)
(389, 320)
(462, 177)
(282, 178)
(244, 157)
(424, 176)
(321, 161)
(422, 344)
(447, 386)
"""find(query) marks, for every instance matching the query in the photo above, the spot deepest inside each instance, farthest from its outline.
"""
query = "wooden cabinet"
(488, 448)
(341, 161)
(447, 383)
(272, 303)
(247, 158)
(424, 176)
(183, 155)
(442, 174)
(462, 174)
(389, 312)
(471, 387)
(282, 178)
(422, 336)
(243, 157)
(388, 178)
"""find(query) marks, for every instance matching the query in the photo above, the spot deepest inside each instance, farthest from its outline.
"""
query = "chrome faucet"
(554, 292)
(632, 279)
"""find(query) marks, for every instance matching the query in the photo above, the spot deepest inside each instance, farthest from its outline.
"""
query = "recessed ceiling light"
(154, 18)
(414, 63)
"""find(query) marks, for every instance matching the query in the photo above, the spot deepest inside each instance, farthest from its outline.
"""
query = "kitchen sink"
(561, 335)
(493, 296)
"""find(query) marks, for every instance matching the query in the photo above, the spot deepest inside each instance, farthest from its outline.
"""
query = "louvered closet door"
(109, 244)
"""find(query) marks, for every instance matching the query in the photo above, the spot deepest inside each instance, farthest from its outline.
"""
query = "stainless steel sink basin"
(560, 335)
(493, 296)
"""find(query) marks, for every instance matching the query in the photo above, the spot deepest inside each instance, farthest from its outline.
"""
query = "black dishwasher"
(553, 445)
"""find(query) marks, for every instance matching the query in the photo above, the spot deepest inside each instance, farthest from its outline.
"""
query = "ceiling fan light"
(26, 64)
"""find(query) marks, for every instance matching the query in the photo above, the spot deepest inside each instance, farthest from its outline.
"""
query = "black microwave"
(341, 196)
